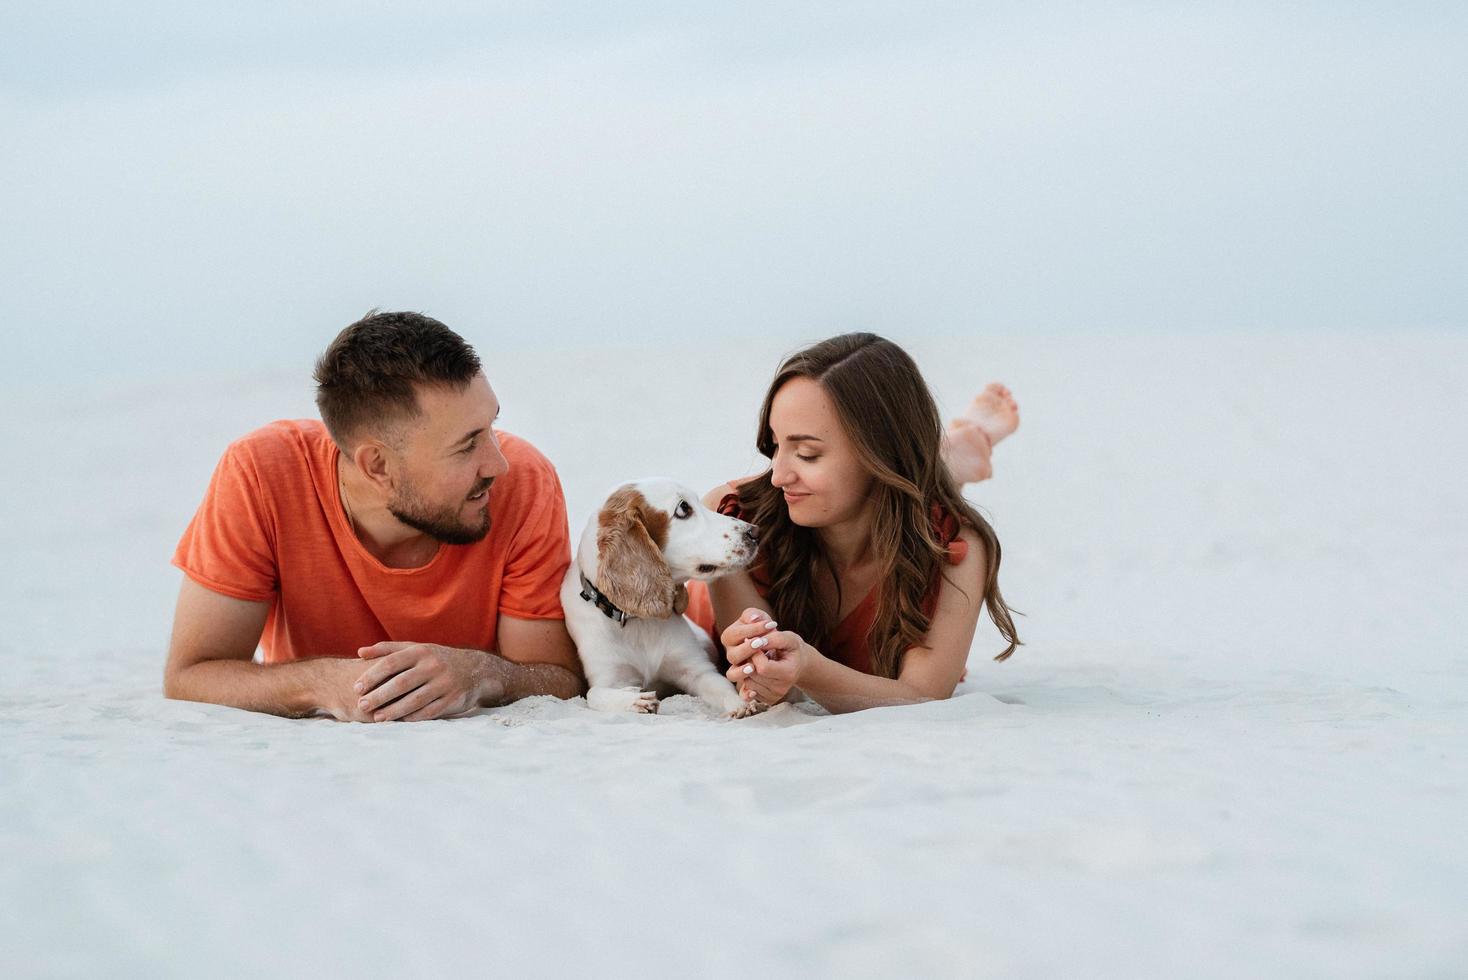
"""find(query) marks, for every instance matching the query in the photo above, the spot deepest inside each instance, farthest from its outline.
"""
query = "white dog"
(624, 597)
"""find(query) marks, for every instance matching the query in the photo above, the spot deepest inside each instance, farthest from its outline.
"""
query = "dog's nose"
(752, 535)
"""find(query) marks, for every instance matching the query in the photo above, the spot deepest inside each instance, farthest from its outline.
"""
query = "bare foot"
(967, 448)
(969, 441)
(995, 411)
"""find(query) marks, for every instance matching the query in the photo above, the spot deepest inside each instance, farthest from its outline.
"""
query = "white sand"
(1233, 746)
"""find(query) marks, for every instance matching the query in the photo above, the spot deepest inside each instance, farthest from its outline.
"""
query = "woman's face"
(815, 463)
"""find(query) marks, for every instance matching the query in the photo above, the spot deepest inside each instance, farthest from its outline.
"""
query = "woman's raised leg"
(970, 439)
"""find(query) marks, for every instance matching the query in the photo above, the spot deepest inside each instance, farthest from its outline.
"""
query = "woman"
(873, 569)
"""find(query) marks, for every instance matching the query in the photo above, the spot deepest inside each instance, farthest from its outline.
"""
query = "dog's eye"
(683, 511)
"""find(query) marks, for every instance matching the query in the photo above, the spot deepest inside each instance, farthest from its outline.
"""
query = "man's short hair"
(367, 378)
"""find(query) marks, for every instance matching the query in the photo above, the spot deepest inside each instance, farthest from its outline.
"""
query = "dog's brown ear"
(629, 548)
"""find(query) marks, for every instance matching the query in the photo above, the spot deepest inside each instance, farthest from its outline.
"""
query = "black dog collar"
(592, 595)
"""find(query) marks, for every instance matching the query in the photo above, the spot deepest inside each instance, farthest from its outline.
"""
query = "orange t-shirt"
(272, 529)
(850, 640)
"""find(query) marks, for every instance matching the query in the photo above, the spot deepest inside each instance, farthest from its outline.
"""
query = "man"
(401, 561)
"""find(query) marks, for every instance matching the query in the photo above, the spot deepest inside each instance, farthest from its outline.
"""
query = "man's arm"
(210, 660)
(541, 656)
(409, 681)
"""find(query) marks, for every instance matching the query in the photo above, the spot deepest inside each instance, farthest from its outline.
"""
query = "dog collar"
(594, 596)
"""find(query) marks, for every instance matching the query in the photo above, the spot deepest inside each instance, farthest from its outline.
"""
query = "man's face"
(446, 460)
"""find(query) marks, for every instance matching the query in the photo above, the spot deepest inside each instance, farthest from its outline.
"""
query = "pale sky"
(184, 189)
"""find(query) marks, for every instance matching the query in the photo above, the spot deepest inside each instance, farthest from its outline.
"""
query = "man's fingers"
(431, 710)
(392, 689)
(383, 668)
(408, 703)
(384, 648)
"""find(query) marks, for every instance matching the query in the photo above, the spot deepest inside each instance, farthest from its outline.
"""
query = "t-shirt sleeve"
(539, 554)
(228, 546)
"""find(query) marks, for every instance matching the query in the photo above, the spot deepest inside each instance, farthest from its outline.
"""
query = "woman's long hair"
(891, 418)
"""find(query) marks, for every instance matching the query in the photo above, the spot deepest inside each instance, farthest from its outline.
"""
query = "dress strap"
(946, 528)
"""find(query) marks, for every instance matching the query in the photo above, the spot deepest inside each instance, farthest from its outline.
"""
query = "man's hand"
(418, 681)
(332, 680)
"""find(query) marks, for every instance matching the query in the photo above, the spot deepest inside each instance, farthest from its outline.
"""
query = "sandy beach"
(1233, 744)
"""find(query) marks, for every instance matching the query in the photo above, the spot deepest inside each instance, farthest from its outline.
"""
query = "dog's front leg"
(619, 687)
(694, 674)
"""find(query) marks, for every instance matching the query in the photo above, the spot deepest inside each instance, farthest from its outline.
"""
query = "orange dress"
(850, 641)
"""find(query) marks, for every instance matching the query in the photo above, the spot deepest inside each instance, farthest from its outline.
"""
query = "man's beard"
(442, 523)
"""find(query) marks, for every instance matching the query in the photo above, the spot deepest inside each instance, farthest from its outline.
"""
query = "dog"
(624, 597)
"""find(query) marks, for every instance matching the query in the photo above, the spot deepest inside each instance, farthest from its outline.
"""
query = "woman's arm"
(930, 672)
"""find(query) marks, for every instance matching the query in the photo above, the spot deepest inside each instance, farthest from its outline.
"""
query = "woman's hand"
(766, 661)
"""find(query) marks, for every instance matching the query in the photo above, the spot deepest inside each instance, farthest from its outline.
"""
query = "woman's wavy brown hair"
(892, 420)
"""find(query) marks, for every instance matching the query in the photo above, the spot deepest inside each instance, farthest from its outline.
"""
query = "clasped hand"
(766, 661)
(418, 681)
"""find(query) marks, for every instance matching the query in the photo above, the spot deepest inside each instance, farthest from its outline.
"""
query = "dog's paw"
(623, 699)
(737, 707)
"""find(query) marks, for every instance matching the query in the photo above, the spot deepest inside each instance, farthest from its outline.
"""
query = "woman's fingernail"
(757, 642)
(771, 625)
(358, 688)
(753, 616)
(748, 669)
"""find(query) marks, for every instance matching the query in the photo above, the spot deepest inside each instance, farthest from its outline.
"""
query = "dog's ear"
(629, 548)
